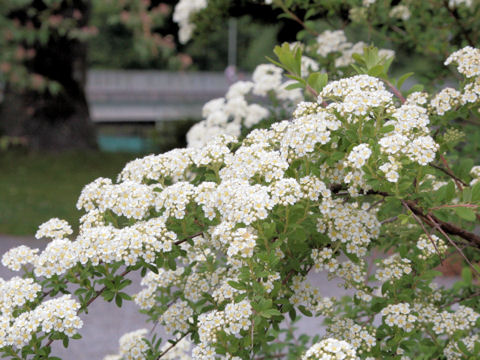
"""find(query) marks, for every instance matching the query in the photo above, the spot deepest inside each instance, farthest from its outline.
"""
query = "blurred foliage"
(27, 26)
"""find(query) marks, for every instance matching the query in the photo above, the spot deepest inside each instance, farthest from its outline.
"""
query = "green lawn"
(37, 187)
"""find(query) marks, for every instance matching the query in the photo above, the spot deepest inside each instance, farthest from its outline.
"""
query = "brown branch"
(188, 238)
(395, 91)
(450, 173)
(449, 228)
(389, 220)
(454, 245)
(454, 301)
(448, 206)
(425, 231)
(173, 345)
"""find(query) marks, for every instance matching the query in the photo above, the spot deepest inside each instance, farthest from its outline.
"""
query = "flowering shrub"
(226, 232)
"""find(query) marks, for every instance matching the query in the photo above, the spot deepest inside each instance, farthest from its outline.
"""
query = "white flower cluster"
(445, 100)
(361, 338)
(54, 229)
(399, 315)
(130, 199)
(452, 350)
(251, 161)
(331, 349)
(105, 244)
(393, 268)
(359, 96)
(410, 137)
(471, 92)
(358, 156)
(229, 114)
(336, 42)
(331, 41)
(350, 225)
(58, 314)
(475, 173)
(354, 276)
(235, 318)
(467, 61)
(16, 292)
(430, 246)
(177, 317)
(400, 11)
(445, 322)
(367, 3)
(145, 299)
(182, 14)
(19, 256)
(309, 296)
(170, 166)
(309, 129)
(132, 346)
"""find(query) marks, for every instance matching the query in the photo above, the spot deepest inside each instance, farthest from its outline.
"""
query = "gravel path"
(105, 322)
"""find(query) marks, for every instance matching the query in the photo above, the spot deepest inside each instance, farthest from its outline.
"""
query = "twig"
(449, 173)
(453, 243)
(471, 296)
(173, 345)
(188, 238)
(99, 292)
(425, 231)
(456, 18)
(395, 91)
(457, 182)
(389, 220)
(449, 228)
(375, 204)
(296, 18)
(472, 206)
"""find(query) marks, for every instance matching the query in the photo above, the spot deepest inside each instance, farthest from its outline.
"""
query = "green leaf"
(304, 311)
(294, 86)
(476, 192)
(465, 213)
(376, 71)
(415, 88)
(237, 285)
(402, 79)
(467, 275)
(387, 129)
(317, 81)
(270, 312)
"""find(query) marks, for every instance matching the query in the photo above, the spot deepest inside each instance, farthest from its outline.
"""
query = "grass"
(36, 187)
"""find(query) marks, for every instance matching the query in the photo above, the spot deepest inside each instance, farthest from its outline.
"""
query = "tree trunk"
(53, 121)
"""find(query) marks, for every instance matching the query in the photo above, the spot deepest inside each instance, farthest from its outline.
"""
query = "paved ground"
(105, 323)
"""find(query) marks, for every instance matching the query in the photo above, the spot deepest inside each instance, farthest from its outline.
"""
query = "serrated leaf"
(465, 213)
(376, 71)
